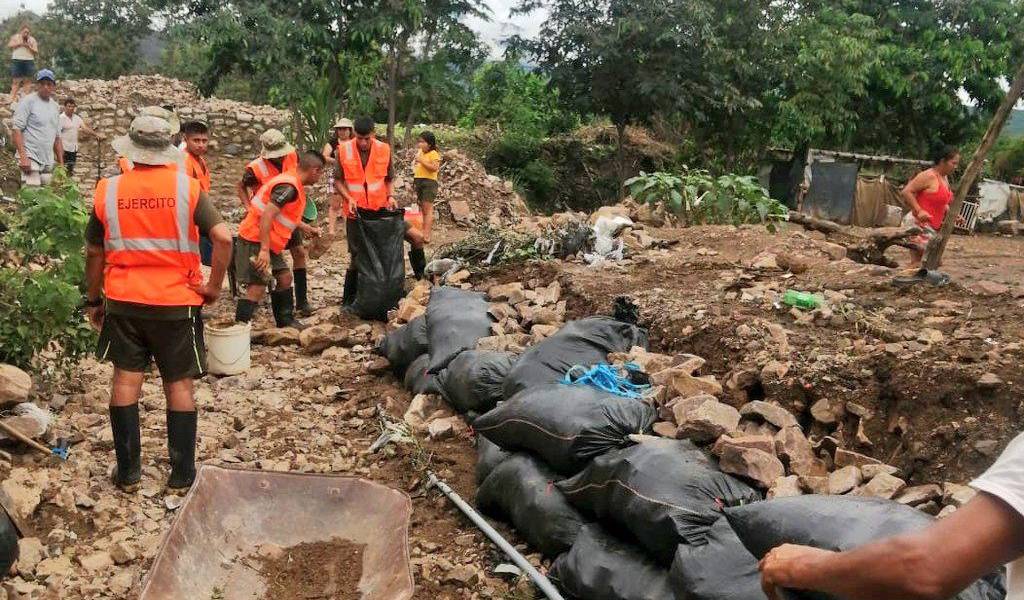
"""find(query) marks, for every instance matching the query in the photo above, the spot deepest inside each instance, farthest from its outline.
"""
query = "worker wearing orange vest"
(275, 212)
(196, 135)
(278, 156)
(364, 181)
(145, 291)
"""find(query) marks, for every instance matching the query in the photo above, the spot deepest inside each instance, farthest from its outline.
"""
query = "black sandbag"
(565, 425)
(8, 543)
(417, 380)
(663, 492)
(836, 523)
(405, 344)
(721, 569)
(456, 319)
(488, 456)
(473, 380)
(602, 567)
(585, 342)
(377, 238)
(521, 491)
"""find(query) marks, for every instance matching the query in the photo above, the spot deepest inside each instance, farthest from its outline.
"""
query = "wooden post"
(974, 169)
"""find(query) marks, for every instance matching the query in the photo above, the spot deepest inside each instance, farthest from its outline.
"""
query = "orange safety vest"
(263, 169)
(151, 241)
(195, 167)
(368, 187)
(284, 223)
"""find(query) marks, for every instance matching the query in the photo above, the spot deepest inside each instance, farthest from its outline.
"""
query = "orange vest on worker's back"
(195, 167)
(151, 241)
(285, 222)
(263, 169)
(368, 187)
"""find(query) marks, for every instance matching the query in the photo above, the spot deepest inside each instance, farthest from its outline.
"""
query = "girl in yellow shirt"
(424, 172)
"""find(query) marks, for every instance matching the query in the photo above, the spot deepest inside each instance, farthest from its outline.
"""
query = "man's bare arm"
(220, 236)
(934, 564)
(58, 150)
(94, 260)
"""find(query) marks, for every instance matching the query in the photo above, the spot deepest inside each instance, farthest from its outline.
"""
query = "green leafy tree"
(510, 98)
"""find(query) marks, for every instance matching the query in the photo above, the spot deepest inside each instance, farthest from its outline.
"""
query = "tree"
(511, 98)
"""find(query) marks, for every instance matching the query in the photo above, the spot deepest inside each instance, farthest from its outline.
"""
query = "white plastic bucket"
(227, 349)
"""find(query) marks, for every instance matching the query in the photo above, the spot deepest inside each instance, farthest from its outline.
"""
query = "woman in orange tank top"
(928, 195)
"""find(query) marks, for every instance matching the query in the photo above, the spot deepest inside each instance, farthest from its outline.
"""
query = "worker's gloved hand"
(781, 567)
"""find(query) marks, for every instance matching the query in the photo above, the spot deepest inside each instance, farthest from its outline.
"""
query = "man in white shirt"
(934, 563)
(24, 49)
(70, 124)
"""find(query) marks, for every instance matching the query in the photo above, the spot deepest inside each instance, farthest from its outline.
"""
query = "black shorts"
(70, 159)
(23, 69)
(133, 343)
(426, 189)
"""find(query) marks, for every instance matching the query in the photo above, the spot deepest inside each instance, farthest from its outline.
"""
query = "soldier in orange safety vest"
(145, 291)
(275, 213)
(196, 136)
(364, 181)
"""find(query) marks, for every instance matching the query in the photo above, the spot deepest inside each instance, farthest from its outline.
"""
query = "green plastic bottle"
(801, 300)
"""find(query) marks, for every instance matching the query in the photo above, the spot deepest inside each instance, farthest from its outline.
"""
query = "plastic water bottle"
(801, 300)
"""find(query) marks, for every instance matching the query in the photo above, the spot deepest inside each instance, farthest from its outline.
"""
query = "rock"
(871, 471)
(24, 488)
(680, 408)
(442, 429)
(989, 380)
(549, 295)
(57, 567)
(919, 494)
(771, 413)
(649, 362)
(845, 458)
(956, 494)
(859, 410)
(990, 288)
(461, 212)
(794, 263)
(882, 485)
(318, 338)
(844, 480)
(30, 553)
(665, 429)
(765, 443)
(828, 411)
(709, 421)
(930, 336)
(946, 511)
(464, 575)
(96, 561)
(681, 383)
(986, 447)
(408, 309)
(814, 485)
(834, 251)
(785, 487)
(420, 293)
(757, 465)
(120, 583)
(795, 451)
(539, 333)
(501, 311)
(122, 553)
(278, 336)
(1008, 227)
(458, 277)
(15, 384)
(511, 293)
(765, 261)
(423, 408)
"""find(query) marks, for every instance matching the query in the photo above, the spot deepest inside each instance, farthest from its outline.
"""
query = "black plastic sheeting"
(473, 380)
(521, 491)
(721, 569)
(833, 191)
(405, 344)
(663, 492)
(380, 262)
(836, 523)
(417, 380)
(488, 456)
(456, 319)
(602, 567)
(585, 342)
(565, 425)
(8, 543)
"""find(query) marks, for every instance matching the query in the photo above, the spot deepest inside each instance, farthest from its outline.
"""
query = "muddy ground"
(913, 359)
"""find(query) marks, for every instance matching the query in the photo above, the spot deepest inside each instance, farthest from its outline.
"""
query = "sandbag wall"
(622, 514)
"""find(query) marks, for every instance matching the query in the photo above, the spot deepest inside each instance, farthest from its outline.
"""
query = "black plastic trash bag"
(521, 491)
(488, 456)
(405, 344)
(602, 567)
(9, 550)
(663, 492)
(417, 380)
(565, 425)
(585, 342)
(836, 523)
(379, 258)
(473, 380)
(456, 319)
(721, 569)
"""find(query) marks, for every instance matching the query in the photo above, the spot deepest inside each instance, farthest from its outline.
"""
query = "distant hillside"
(1015, 125)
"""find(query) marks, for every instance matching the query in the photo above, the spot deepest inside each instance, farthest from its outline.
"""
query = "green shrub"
(511, 153)
(40, 282)
(538, 181)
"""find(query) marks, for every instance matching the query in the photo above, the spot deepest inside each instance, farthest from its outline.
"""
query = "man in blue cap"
(36, 126)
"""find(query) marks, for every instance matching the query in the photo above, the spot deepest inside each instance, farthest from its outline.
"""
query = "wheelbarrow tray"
(229, 513)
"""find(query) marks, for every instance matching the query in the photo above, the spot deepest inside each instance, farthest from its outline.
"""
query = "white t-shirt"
(69, 127)
(1005, 480)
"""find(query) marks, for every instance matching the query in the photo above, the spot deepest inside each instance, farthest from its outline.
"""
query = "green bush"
(511, 153)
(40, 279)
(538, 181)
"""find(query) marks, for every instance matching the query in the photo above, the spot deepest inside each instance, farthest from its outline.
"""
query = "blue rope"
(605, 377)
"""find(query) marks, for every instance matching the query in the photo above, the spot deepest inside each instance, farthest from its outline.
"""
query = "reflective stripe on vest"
(264, 169)
(115, 241)
(280, 218)
(367, 184)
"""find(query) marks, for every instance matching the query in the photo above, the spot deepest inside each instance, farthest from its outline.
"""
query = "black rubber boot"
(124, 423)
(283, 304)
(348, 295)
(418, 261)
(301, 293)
(244, 310)
(181, 448)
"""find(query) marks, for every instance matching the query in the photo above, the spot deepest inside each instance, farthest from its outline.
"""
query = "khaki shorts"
(426, 190)
(133, 344)
(244, 272)
(38, 176)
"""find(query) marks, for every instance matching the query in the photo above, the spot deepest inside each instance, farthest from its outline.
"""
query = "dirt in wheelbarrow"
(330, 569)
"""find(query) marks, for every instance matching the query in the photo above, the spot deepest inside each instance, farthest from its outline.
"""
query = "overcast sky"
(500, 26)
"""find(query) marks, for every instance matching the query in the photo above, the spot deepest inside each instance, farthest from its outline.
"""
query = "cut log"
(867, 249)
